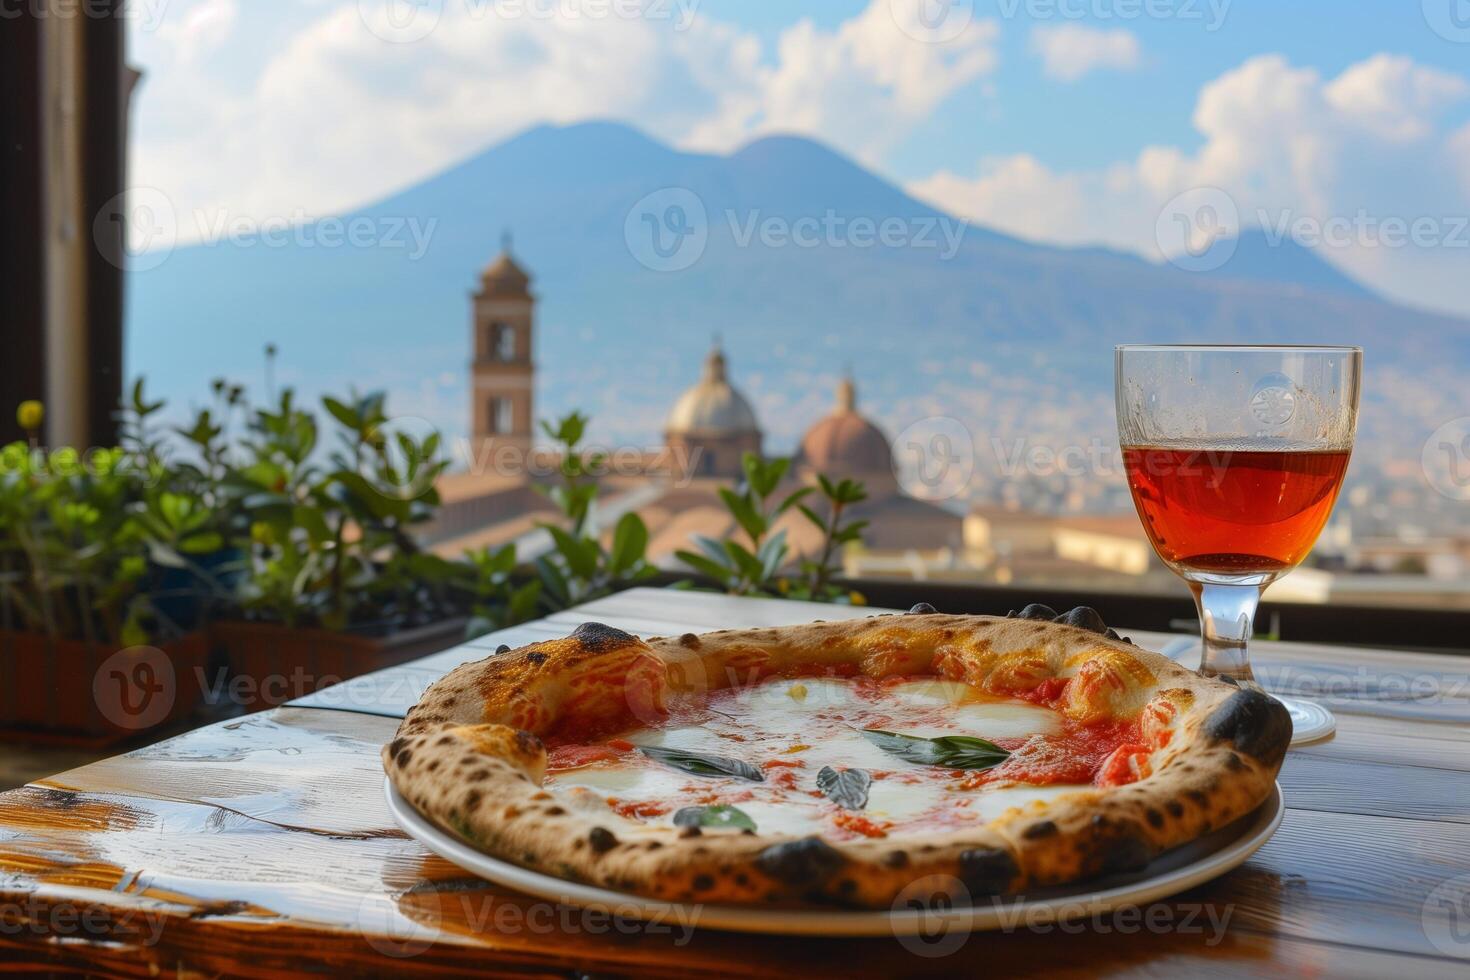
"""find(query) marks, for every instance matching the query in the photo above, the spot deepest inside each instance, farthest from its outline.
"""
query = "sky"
(1344, 126)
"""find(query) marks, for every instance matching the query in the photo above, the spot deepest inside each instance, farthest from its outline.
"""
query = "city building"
(710, 427)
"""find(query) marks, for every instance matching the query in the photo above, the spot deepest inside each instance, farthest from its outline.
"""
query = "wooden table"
(263, 845)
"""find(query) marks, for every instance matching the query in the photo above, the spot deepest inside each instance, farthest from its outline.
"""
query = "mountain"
(1259, 257)
(1008, 336)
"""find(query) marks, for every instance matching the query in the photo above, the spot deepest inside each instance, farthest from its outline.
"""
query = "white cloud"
(1070, 51)
(1366, 147)
(328, 114)
(820, 77)
(199, 28)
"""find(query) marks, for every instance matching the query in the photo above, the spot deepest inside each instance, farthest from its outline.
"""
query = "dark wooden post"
(107, 84)
(24, 272)
(22, 259)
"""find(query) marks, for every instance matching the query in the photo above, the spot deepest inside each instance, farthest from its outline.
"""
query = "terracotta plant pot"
(70, 690)
(270, 664)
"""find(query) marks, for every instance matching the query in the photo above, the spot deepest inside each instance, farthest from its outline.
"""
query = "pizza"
(842, 763)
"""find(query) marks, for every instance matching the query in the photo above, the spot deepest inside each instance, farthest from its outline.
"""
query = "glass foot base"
(1310, 722)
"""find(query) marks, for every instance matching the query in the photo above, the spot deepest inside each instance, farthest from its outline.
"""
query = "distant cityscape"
(1032, 509)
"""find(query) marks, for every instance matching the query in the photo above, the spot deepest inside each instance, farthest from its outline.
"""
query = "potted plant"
(335, 584)
(72, 565)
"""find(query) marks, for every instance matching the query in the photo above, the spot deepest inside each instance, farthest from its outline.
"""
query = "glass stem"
(1226, 616)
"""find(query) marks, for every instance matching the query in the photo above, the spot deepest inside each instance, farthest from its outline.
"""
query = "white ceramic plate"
(1184, 867)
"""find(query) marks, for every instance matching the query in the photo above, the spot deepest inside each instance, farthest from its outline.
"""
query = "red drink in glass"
(1234, 511)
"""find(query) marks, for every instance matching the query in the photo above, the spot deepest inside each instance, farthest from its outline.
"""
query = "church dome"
(712, 407)
(844, 444)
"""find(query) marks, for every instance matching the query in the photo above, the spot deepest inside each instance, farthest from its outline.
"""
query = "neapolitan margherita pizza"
(836, 762)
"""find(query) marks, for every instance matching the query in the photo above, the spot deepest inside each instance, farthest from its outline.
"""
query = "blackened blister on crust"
(529, 742)
(802, 863)
(1084, 618)
(599, 638)
(1034, 611)
(922, 609)
(1255, 723)
(988, 870)
(1126, 852)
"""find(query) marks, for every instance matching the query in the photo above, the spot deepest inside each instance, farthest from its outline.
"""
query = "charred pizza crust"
(470, 756)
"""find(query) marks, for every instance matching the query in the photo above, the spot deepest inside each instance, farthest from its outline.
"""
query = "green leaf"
(719, 815)
(698, 764)
(793, 500)
(522, 605)
(848, 788)
(629, 544)
(745, 513)
(342, 413)
(772, 554)
(948, 751)
(749, 565)
(704, 566)
(313, 521)
(558, 592)
(203, 543)
(580, 553)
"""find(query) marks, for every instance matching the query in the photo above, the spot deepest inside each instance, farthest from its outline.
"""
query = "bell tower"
(503, 376)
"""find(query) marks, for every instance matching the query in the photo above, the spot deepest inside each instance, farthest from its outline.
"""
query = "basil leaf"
(948, 751)
(703, 765)
(848, 788)
(713, 816)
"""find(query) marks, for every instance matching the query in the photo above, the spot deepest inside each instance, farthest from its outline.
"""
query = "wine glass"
(1235, 456)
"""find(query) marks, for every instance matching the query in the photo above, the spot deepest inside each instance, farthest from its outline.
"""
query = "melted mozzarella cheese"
(793, 728)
